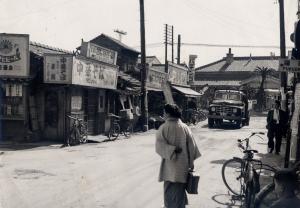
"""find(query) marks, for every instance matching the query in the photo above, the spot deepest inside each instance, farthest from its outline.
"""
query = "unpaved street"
(119, 174)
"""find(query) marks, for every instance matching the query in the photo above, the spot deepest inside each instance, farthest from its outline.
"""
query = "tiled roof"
(41, 49)
(116, 41)
(149, 59)
(217, 82)
(240, 64)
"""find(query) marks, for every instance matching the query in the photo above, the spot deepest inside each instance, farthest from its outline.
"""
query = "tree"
(263, 72)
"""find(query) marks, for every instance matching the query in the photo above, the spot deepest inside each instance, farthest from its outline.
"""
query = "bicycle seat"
(250, 151)
(113, 115)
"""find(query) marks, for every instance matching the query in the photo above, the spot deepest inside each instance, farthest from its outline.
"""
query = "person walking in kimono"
(172, 140)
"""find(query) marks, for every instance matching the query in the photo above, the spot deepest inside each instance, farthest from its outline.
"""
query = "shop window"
(12, 101)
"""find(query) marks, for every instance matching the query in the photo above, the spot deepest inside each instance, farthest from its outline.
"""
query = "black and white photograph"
(150, 104)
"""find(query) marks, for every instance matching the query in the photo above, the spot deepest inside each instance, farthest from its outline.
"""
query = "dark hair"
(286, 176)
(277, 102)
(173, 110)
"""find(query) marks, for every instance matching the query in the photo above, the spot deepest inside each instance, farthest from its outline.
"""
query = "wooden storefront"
(14, 80)
(86, 83)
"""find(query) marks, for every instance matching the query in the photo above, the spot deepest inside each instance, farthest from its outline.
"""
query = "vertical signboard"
(58, 68)
(14, 55)
(98, 53)
(94, 74)
(294, 124)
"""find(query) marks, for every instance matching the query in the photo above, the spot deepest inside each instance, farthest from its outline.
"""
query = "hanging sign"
(14, 55)
(58, 68)
(98, 53)
(94, 74)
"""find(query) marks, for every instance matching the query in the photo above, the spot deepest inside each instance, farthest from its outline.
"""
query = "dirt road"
(119, 174)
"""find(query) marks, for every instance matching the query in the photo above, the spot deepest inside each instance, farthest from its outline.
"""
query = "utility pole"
(120, 32)
(283, 75)
(172, 44)
(178, 49)
(168, 41)
(144, 101)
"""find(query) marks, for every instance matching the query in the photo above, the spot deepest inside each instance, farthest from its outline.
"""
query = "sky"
(63, 23)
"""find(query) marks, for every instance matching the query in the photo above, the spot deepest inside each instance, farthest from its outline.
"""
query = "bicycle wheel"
(128, 130)
(114, 132)
(83, 133)
(201, 116)
(232, 175)
(266, 197)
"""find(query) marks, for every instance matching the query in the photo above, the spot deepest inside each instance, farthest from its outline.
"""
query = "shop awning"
(129, 79)
(188, 92)
(154, 89)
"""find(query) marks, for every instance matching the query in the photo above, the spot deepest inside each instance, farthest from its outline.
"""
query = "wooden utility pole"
(166, 48)
(172, 44)
(283, 75)
(144, 100)
(178, 49)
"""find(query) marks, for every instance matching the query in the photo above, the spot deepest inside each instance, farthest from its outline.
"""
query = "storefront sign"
(155, 79)
(178, 76)
(289, 65)
(294, 124)
(58, 68)
(14, 55)
(98, 53)
(94, 74)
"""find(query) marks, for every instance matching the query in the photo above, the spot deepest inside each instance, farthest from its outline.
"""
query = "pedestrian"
(172, 140)
(276, 125)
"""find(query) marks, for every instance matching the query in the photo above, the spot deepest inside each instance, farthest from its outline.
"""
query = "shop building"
(84, 84)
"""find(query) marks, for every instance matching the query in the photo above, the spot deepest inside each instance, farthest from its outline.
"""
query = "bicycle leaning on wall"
(78, 132)
(119, 125)
(241, 175)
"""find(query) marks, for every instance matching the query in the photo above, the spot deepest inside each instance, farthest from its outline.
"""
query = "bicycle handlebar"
(74, 118)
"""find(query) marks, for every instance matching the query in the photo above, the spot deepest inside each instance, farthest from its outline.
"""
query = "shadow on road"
(225, 199)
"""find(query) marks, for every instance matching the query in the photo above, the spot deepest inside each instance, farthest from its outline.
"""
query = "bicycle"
(191, 116)
(119, 125)
(241, 176)
(78, 133)
(267, 195)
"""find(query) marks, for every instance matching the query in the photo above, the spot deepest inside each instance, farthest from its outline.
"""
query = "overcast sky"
(62, 23)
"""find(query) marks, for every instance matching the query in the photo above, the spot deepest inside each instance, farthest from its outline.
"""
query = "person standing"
(276, 125)
(172, 140)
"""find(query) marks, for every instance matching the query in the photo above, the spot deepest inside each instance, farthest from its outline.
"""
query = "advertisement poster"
(14, 55)
(94, 74)
(58, 68)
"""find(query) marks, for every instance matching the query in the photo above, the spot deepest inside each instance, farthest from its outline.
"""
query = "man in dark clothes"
(276, 124)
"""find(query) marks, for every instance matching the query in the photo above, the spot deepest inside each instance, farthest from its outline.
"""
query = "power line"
(154, 45)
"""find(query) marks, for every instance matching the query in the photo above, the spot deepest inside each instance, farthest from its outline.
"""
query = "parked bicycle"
(287, 191)
(78, 132)
(191, 116)
(241, 175)
(119, 125)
